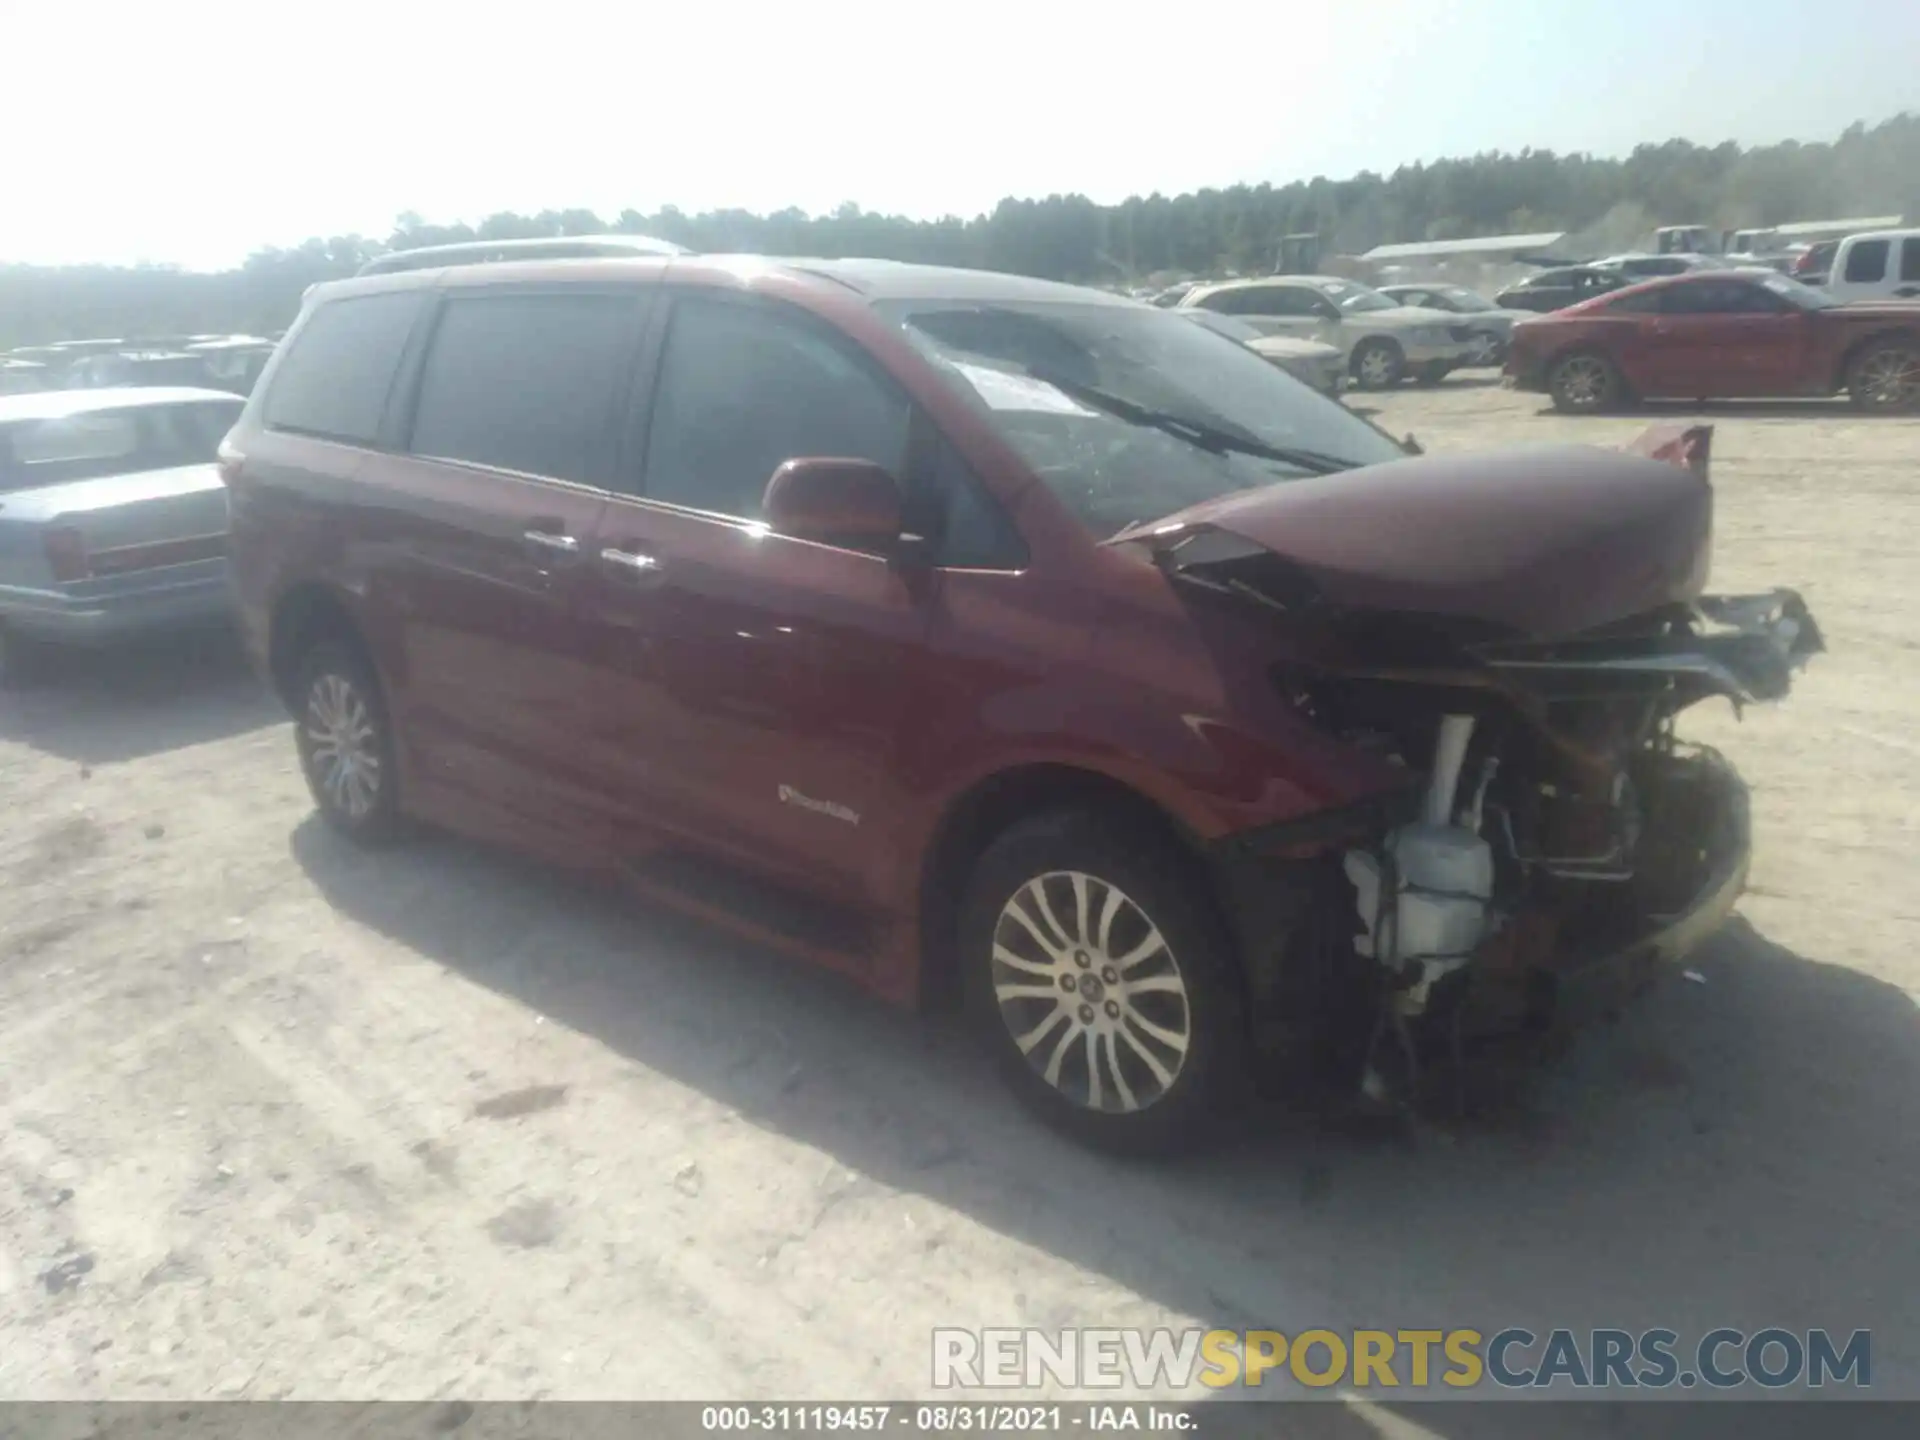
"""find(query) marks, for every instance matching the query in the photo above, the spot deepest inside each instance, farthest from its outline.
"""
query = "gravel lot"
(284, 1120)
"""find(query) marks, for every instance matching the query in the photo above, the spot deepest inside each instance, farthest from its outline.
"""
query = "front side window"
(1356, 298)
(1867, 262)
(529, 383)
(333, 382)
(744, 388)
(1129, 414)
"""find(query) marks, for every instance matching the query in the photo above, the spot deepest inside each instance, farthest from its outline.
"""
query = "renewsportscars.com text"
(1447, 1360)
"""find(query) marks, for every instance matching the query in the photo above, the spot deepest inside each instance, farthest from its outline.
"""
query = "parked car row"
(220, 362)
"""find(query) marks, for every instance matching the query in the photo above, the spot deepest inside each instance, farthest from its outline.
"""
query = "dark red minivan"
(962, 631)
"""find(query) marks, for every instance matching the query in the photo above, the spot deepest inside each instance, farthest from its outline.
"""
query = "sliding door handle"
(633, 566)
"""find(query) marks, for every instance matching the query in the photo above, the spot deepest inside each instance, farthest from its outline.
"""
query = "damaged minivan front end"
(1519, 634)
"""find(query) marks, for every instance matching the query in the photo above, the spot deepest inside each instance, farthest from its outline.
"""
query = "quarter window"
(530, 383)
(744, 389)
(333, 381)
(1910, 259)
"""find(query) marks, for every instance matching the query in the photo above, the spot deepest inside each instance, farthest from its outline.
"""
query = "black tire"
(1885, 377)
(1585, 383)
(23, 662)
(1377, 364)
(1189, 987)
(334, 681)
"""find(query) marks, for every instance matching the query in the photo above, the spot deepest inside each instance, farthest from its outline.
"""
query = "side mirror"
(851, 503)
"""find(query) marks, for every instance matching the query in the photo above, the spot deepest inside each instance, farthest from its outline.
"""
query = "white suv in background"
(1383, 340)
(1876, 265)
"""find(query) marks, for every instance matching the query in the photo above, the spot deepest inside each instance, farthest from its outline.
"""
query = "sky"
(193, 132)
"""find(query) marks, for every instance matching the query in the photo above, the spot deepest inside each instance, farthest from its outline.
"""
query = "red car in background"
(1719, 334)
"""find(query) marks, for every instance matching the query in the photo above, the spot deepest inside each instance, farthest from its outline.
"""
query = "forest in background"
(1609, 204)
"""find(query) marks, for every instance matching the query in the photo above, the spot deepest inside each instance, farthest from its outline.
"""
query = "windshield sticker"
(1003, 391)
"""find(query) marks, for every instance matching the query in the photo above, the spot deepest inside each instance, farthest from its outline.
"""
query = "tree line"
(1609, 204)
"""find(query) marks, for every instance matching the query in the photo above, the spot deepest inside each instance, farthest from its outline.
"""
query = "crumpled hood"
(1542, 540)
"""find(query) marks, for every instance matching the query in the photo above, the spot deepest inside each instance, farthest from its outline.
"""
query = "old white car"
(1383, 341)
(113, 517)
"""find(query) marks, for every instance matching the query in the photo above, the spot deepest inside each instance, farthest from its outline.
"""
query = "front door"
(753, 687)
(518, 407)
(1723, 338)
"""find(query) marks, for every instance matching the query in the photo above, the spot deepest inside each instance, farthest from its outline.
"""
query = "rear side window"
(743, 389)
(1644, 302)
(1910, 259)
(1867, 262)
(333, 382)
(528, 382)
(89, 446)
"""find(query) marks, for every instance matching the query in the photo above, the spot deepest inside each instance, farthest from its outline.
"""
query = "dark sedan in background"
(1562, 286)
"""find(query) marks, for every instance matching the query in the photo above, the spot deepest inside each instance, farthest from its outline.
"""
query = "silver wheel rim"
(1484, 348)
(1091, 993)
(1891, 377)
(1376, 366)
(1583, 380)
(340, 746)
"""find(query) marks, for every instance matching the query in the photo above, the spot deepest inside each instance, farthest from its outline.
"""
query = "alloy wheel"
(1376, 367)
(1091, 992)
(1582, 381)
(1890, 379)
(342, 748)
(1486, 347)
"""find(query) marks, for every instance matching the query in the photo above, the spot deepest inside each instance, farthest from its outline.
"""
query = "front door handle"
(634, 566)
(550, 540)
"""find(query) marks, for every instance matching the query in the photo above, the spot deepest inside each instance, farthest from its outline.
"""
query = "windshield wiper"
(1201, 433)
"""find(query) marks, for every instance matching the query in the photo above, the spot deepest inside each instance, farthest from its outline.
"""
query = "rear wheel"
(22, 661)
(1886, 377)
(345, 744)
(1378, 364)
(1103, 982)
(1584, 383)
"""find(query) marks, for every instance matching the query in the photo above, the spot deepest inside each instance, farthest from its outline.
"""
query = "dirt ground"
(282, 1120)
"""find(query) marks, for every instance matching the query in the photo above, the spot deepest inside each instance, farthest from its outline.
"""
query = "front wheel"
(1584, 383)
(1378, 364)
(23, 662)
(1103, 982)
(345, 744)
(1886, 378)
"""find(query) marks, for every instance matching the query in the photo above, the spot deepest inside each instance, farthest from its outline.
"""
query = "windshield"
(1792, 291)
(1349, 296)
(1129, 413)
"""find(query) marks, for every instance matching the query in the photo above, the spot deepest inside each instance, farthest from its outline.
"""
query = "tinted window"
(1264, 300)
(529, 383)
(744, 389)
(333, 382)
(965, 523)
(1646, 302)
(1910, 258)
(1867, 261)
(112, 442)
(1719, 297)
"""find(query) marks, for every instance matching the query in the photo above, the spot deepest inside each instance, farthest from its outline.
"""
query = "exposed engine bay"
(1554, 812)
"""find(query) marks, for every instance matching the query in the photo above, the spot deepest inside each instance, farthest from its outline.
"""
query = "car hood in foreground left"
(1540, 541)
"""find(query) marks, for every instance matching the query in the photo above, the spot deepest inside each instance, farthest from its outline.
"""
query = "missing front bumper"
(1538, 974)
